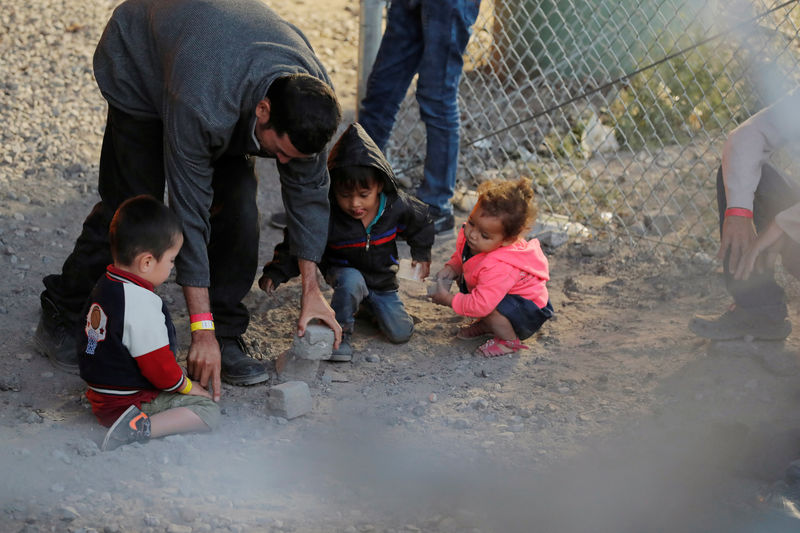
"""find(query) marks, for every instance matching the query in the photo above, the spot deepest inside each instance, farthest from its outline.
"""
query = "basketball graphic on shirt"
(95, 327)
(94, 317)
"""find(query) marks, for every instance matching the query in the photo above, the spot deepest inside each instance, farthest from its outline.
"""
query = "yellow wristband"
(186, 388)
(202, 324)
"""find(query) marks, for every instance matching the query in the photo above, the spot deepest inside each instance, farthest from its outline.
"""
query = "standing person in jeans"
(425, 37)
(194, 90)
(759, 220)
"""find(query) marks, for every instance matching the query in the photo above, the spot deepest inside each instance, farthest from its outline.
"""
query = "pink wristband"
(199, 317)
(738, 212)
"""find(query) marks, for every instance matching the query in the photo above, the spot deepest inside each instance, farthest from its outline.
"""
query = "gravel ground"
(614, 420)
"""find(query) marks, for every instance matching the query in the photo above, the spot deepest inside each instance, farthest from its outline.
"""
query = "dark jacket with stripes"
(374, 254)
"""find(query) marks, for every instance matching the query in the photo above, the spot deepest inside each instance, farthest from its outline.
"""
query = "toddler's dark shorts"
(525, 316)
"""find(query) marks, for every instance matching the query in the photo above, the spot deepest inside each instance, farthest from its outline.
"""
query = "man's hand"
(762, 252)
(738, 233)
(204, 361)
(313, 304)
(198, 390)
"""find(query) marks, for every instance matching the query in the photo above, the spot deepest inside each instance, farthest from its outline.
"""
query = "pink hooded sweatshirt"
(519, 268)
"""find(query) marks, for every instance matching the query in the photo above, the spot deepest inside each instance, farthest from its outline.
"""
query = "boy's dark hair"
(142, 224)
(306, 109)
(345, 179)
(511, 202)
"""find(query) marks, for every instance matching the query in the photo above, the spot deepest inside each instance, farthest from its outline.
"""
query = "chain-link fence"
(617, 109)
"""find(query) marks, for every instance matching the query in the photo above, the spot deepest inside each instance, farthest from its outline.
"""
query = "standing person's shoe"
(738, 323)
(442, 222)
(237, 367)
(132, 426)
(344, 352)
(55, 338)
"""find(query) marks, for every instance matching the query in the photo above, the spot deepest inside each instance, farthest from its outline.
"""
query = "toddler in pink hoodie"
(502, 277)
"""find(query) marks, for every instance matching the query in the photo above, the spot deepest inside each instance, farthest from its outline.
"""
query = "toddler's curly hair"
(511, 202)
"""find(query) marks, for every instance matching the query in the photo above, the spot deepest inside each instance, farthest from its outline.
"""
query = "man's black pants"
(760, 292)
(132, 163)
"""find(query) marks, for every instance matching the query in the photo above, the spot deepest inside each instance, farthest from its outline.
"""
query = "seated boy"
(126, 351)
(368, 213)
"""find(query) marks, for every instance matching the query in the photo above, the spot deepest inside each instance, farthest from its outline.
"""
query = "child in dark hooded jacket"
(368, 214)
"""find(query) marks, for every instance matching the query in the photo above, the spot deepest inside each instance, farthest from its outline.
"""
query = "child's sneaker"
(344, 352)
(132, 426)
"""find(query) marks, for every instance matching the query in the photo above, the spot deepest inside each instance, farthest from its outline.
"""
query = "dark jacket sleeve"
(283, 266)
(304, 187)
(418, 230)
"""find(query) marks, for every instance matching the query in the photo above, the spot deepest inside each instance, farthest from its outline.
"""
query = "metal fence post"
(369, 40)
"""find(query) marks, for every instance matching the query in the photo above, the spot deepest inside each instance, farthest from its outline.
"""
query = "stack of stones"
(296, 368)
(301, 361)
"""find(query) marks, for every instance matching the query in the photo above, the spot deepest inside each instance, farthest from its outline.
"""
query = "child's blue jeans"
(350, 291)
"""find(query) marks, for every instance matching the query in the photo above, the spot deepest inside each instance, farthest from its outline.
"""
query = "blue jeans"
(760, 293)
(350, 291)
(425, 37)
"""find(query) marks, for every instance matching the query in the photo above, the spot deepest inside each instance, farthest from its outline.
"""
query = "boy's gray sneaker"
(345, 351)
(237, 367)
(738, 323)
(55, 339)
(132, 426)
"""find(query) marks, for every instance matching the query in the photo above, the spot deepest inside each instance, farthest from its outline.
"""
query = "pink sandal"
(496, 347)
(473, 331)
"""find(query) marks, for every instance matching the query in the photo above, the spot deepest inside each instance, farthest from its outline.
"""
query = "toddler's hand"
(439, 291)
(442, 297)
(446, 273)
(424, 269)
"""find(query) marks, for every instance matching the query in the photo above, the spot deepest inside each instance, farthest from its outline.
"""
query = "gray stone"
(662, 223)
(290, 367)
(461, 423)
(595, 249)
(9, 382)
(549, 234)
(67, 513)
(291, 399)
(478, 403)
(439, 285)
(316, 344)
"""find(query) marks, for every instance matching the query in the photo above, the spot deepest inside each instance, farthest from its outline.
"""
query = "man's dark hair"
(345, 179)
(306, 109)
(142, 224)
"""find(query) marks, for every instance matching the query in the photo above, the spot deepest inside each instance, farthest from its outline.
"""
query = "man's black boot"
(55, 338)
(237, 367)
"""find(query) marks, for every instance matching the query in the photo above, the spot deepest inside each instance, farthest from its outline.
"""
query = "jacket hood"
(527, 256)
(356, 148)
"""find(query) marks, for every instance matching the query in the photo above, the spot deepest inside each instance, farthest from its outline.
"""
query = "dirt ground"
(617, 419)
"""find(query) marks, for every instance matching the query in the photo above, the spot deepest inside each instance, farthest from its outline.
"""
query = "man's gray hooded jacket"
(201, 66)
